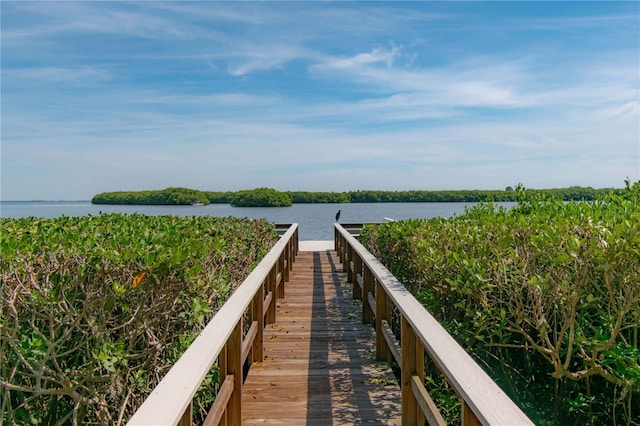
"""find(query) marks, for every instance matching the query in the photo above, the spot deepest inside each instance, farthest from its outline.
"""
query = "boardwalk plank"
(319, 366)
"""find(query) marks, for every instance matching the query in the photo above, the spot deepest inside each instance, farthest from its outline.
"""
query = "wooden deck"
(319, 363)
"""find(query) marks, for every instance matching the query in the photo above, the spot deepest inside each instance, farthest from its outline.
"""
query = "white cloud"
(52, 75)
(377, 55)
(305, 96)
(92, 17)
(451, 85)
(247, 59)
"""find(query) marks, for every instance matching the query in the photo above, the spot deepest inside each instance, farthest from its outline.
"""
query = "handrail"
(354, 227)
(170, 403)
(483, 402)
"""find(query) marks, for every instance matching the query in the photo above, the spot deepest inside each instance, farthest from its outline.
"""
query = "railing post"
(292, 254)
(222, 372)
(258, 315)
(343, 256)
(382, 351)
(234, 366)
(286, 261)
(367, 287)
(187, 417)
(271, 288)
(408, 368)
(468, 416)
(420, 372)
(357, 268)
(348, 264)
(293, 250)
(280, 283)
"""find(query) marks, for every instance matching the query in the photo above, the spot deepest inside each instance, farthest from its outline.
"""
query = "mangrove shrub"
(545, 295)
(260, 197)
(95, 310)
(168, 196)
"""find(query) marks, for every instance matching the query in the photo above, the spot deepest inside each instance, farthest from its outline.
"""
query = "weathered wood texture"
(319, 363)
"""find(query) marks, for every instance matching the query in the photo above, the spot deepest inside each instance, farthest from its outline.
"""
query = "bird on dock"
(338, 215)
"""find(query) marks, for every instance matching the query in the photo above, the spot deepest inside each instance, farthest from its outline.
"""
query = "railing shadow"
(319, 386)
(346, 385)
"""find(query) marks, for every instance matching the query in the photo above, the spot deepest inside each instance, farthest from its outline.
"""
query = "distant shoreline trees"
(168, 196)
(260, 197)
(267, 197)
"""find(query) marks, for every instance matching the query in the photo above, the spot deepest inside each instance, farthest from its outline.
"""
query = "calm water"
(315, 220)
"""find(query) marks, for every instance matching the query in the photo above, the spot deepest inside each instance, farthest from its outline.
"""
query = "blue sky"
(319, 96)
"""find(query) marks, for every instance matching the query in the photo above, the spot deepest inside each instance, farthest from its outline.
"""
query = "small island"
(260, 197)
(168, 196)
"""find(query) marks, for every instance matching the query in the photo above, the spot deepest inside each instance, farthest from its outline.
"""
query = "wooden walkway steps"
(319, 363)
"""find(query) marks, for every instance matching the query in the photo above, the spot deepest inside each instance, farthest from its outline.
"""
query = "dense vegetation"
(260, 197)
(306, 197)
(219, 197)
(169, 196)
(546, 296)
(95, 310)
(576, 193)
(188, 196)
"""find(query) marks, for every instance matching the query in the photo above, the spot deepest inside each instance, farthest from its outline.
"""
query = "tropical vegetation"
(306, 197)
(168, 196)
(509, 194)
(95, 310)
(260, 197)
(188, 196)
(546, 296)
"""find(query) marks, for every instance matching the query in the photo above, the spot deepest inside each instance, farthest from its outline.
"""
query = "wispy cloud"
(377, 55)
(50, 19)
(319, 96)
(249, 59)
(52, 75)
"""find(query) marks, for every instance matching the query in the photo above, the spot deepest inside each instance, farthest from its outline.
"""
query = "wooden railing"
(224, 340)
(483, 402)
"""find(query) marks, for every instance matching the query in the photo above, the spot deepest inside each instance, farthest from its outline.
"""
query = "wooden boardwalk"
(319, 363)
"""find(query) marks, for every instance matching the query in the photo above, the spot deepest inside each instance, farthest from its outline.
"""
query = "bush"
(168, 196)
(260, 197)
(545, 295)
(95, 310)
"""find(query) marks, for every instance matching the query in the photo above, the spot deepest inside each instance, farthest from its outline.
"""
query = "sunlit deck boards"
(319, 366)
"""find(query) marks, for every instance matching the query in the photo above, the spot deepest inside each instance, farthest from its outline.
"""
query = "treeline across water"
(272, 197)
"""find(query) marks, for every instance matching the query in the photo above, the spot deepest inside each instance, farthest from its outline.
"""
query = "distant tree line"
(168, 196)
(306, 197)
(265, 197)
(574, 193)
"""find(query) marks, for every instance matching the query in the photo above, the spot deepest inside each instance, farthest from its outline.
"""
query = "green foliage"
(219, 197)
(302, 197)
(260, 197)
(546, 295)
(576, 193)
(185, 196)
(95, 310)
(169, 196)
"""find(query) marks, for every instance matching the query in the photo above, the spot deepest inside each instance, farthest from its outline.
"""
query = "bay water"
(315, 221)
